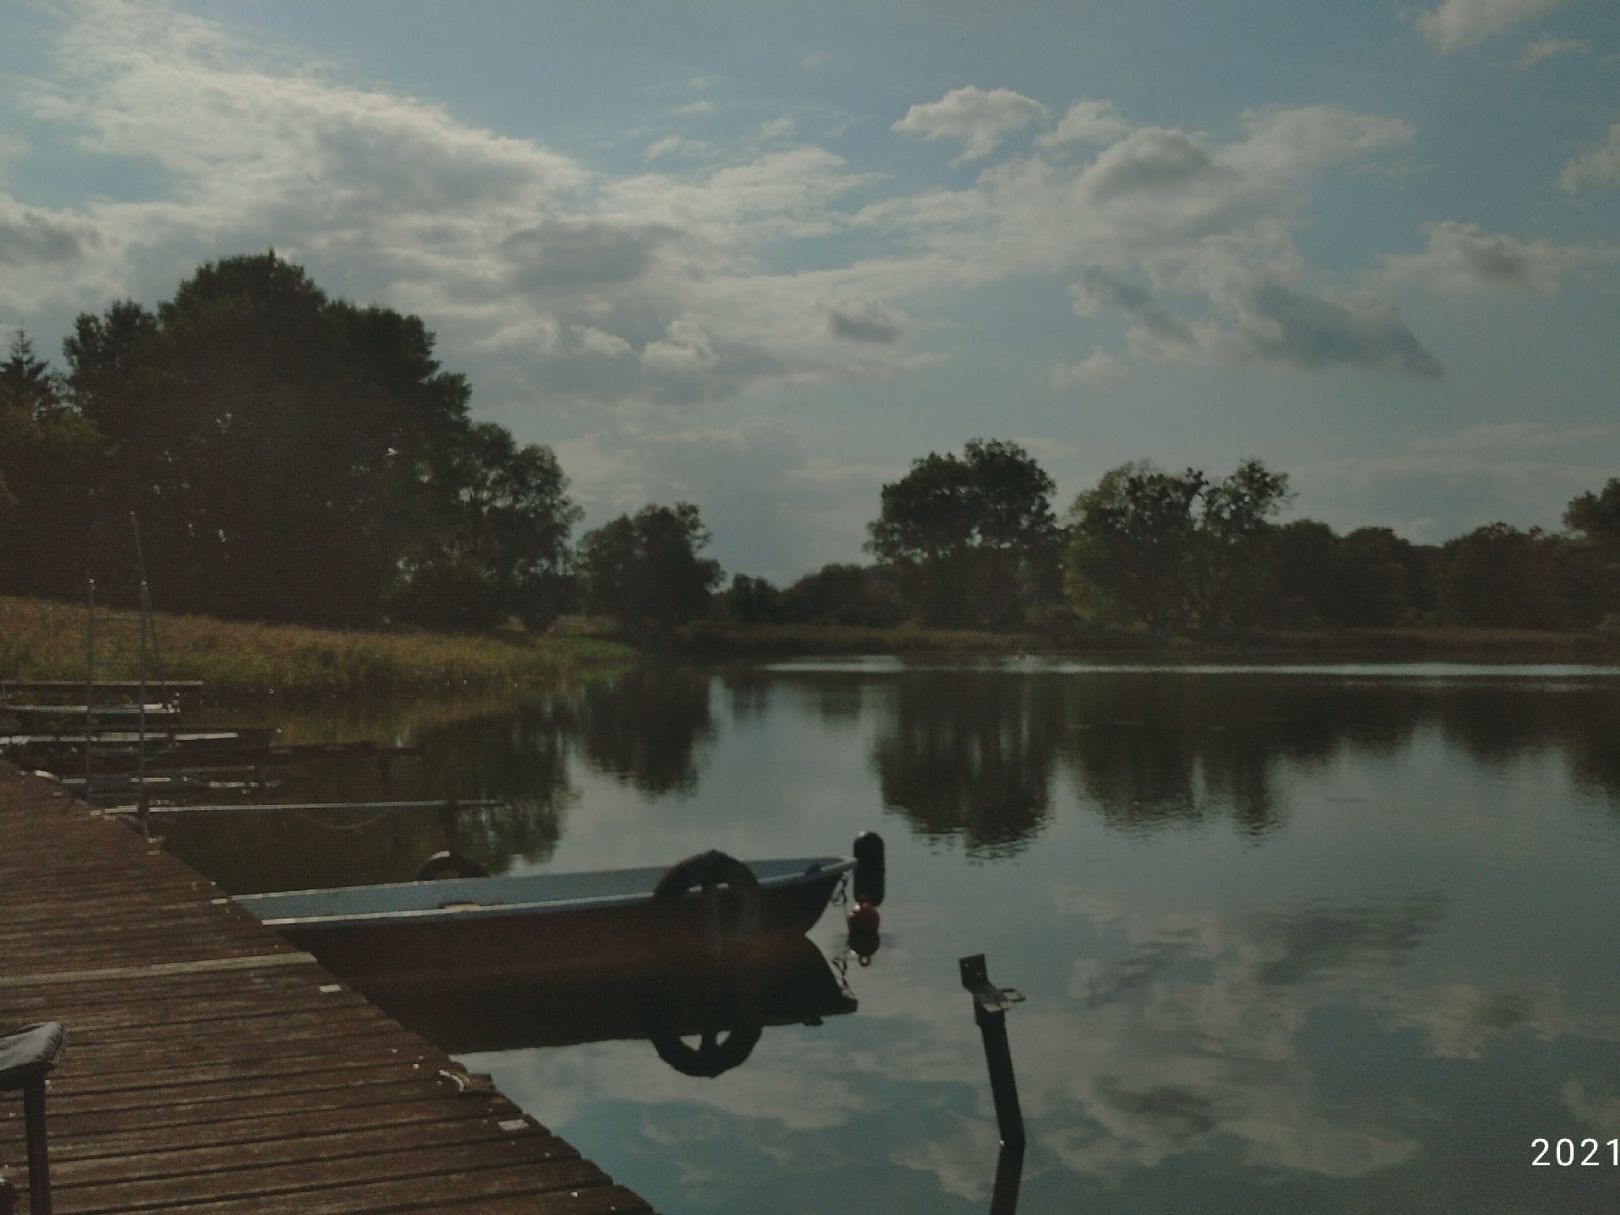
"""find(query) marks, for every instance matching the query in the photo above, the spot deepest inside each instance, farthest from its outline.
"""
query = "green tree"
(845, 594)
(49, 457)
(1498, 576)
(972, 538)
(1306, 572)
(1593, 559)
(1130, 546)
(645, 570)
(1383, 577)
(1227, 564)
(1170, 549)
(292, 456)
(499, 544)
(753, 600)
(1597, 516)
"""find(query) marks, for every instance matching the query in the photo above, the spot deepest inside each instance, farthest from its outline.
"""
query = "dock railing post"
(89, 675)
(140, 711)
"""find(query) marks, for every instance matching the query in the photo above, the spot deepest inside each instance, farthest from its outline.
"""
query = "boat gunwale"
(816, 869)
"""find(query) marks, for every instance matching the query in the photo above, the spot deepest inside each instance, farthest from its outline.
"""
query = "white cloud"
(778, 128)
(677, 147)
(1098, 365)
(1547, 48)
(1597, 166)
(1086, 122)
(973, 116)
(1458, 23)
(865, 321)
(1461, 258)
(697, 109)
(1200, 220)
(1148, 160)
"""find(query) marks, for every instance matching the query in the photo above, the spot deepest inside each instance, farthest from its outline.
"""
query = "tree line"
(294, 457)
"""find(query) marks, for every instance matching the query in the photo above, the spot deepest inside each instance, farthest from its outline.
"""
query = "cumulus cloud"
(1260, 318)
(30, 236)
(1149, 159)
(677, 147)
(1598, 166)
(1459, 23)
(977, 118)
(1086, 122)
(544, 278)
(1280, 324)
(1461, 258)
(865, 321)
(1098, 291)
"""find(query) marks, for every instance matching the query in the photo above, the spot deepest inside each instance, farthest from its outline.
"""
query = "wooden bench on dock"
(212, 1069)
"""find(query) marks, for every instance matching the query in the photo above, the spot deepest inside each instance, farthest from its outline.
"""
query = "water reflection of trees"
(974, 753)
(645, 726)
(520, 759)
(970, 754)
(1157, 748)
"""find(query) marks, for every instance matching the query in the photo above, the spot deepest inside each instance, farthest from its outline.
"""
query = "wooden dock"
(212, 1069)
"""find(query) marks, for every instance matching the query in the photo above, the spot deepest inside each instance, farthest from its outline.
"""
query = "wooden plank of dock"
(212, 1069)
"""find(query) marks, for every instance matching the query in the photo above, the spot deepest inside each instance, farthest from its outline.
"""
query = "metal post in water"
(1009, 1176)
(990, 1005)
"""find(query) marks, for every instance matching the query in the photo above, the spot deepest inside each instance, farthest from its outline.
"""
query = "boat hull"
(494, 940)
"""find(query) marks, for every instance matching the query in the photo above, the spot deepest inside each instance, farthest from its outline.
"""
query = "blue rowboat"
(494, 926)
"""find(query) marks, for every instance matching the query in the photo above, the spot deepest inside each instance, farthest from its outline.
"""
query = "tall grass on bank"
(44, 640)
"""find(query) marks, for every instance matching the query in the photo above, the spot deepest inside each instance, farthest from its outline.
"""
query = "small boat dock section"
(213, 1068)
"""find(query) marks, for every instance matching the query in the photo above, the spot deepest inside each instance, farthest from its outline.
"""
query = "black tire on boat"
(707, 873)
(449, 865)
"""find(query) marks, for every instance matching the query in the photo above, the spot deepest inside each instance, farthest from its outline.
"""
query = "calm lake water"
(1314, 939)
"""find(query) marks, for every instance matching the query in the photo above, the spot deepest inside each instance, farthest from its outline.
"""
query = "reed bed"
(46, 640)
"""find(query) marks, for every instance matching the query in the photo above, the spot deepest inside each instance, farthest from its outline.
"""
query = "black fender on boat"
(710, 873)
(449, 864)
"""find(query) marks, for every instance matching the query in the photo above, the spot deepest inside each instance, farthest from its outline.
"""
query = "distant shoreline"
(40, 639)
(720, 641)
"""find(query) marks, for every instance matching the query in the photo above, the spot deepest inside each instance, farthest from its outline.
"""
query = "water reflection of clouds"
(1198, 1041)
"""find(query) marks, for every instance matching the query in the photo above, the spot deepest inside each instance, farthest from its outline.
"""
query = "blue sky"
(761, 256)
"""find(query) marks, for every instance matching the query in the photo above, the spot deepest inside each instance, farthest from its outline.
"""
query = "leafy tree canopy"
(1168, 549)
(972, 537)
(645, 569)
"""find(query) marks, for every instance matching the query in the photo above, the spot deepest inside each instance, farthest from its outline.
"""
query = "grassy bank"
(42, 640)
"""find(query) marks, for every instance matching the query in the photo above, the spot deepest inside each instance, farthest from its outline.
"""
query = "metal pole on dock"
(145, 607)
(89, 671)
